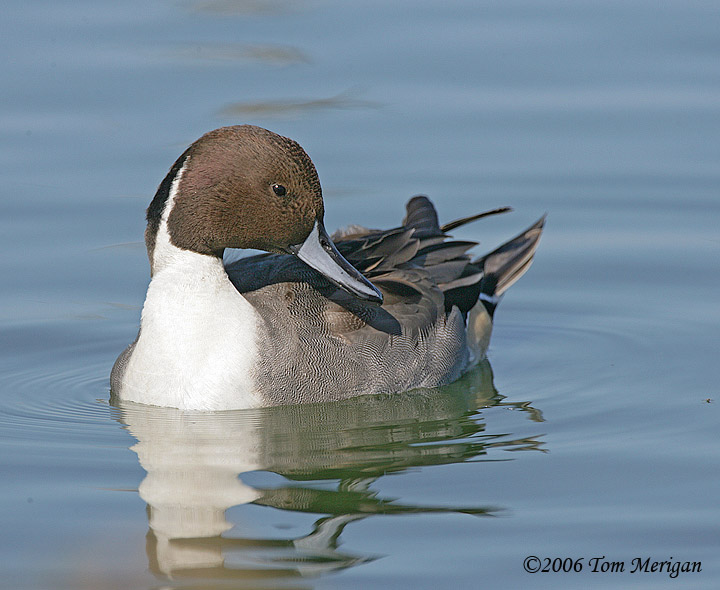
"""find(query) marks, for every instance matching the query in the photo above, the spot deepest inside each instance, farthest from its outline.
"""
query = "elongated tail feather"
(506, 264)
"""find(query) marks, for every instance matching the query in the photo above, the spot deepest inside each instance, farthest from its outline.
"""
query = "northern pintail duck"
(303, 323)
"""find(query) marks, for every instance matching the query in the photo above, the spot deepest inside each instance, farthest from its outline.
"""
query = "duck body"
(314, 319)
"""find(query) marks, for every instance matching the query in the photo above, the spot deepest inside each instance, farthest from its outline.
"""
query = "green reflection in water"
(246, 7)
(278, 55)
(267, 108)
(329, 456)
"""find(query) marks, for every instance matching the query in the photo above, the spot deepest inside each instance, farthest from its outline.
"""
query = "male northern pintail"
(301, 323)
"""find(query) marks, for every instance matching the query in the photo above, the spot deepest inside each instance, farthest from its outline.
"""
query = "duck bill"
(319, 252)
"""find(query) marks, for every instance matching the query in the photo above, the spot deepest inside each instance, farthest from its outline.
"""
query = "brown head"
(241, 187)
(247, 187)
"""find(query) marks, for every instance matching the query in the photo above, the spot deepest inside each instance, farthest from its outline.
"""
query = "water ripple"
(597, 354)
(40, 403)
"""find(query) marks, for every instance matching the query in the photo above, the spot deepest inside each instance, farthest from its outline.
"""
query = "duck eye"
(279, 190)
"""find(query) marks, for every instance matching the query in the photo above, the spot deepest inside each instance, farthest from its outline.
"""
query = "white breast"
(196, 348)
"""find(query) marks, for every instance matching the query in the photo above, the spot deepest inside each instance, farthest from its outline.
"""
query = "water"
(592, 431)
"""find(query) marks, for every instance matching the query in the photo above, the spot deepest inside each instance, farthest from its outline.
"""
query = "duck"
(313, 317)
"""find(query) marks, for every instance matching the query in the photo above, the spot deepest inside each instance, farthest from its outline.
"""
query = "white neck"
(197, 348)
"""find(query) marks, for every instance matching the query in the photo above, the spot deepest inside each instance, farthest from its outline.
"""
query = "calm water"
(593, 429)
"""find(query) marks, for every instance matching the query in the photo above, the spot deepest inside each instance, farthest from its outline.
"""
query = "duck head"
(247, 187)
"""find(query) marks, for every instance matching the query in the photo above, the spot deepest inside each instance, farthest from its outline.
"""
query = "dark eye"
(279, 190)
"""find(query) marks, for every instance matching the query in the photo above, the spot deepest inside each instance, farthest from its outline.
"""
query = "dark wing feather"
(416, 264)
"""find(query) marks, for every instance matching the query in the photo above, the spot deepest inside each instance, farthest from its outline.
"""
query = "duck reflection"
(328, 455)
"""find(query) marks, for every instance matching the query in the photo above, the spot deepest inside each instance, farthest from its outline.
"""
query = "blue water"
(591, 432)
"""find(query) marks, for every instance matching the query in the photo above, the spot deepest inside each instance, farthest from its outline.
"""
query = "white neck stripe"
(163, 243)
